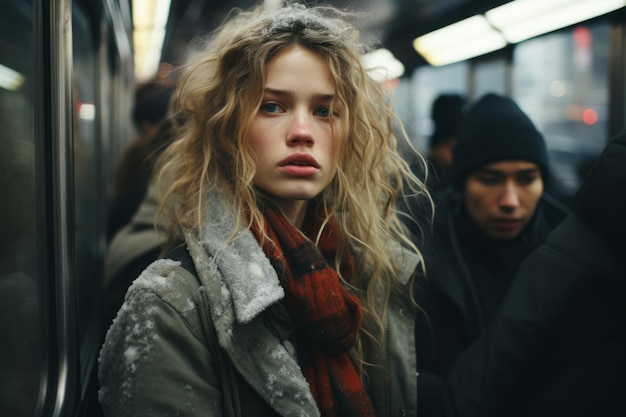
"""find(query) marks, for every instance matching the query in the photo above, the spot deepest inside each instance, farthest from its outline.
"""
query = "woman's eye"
(323, 112)
(270, 107)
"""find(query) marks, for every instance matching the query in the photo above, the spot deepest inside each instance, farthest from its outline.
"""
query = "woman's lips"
(300, 165)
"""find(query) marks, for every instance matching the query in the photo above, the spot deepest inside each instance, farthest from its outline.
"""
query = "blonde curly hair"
(219, 93)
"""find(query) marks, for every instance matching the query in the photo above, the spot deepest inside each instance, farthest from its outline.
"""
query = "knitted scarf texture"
(327, 317)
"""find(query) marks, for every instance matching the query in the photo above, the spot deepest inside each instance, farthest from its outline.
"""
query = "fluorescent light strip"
(524, 19)
(382, 65)
(462, 40)
(512, 22)
(150, 18)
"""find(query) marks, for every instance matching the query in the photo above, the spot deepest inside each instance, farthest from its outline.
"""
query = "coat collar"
(238, 275)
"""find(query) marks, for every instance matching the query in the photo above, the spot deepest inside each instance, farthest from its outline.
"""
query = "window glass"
(490, 77)
(427, 84)
(404, 105)
(561, 81)
(21, 281)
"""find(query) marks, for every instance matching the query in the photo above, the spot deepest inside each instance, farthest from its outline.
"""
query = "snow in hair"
(298, 18)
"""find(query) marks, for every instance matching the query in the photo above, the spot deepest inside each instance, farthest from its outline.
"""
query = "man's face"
(501, 197)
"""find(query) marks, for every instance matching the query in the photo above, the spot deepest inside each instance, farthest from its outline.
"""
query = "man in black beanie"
(556, 346)
(493, 215)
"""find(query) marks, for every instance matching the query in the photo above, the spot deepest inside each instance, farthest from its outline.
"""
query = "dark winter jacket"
(468, 275)
(558, 343)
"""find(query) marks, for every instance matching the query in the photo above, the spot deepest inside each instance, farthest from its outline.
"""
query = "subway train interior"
(68, 69)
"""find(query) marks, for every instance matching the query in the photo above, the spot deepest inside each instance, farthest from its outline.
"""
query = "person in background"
(556, 346)
(446, 113)
(287, 287)
(492, 216)
(134, 168)
(416, 210)
(138, 243)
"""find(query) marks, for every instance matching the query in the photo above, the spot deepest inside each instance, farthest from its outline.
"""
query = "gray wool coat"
(192, 346)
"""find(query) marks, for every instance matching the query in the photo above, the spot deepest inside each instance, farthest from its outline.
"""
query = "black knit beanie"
(496, 129)
(446, 113)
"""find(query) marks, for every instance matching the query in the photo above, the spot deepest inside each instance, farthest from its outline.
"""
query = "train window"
(561, 81)
(403, 102)
(22, 277)
(490, 76)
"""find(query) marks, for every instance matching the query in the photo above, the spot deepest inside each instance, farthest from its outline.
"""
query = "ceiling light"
(460, 41)
(149, 21)
(381, 65)
(523, 19)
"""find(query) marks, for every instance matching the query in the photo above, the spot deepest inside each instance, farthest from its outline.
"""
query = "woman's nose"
(300, 129)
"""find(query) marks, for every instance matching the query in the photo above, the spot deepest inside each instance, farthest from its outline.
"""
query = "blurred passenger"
(416, 210)
(494, 214)
(557, 347)
(446, 113)
(134, 168)
(137, 244)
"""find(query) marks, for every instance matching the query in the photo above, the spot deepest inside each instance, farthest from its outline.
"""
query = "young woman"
(289, 296)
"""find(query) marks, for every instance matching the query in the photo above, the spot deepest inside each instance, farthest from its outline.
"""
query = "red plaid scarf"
(327, 317)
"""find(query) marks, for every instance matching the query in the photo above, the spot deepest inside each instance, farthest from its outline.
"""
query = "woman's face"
(293, 133)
